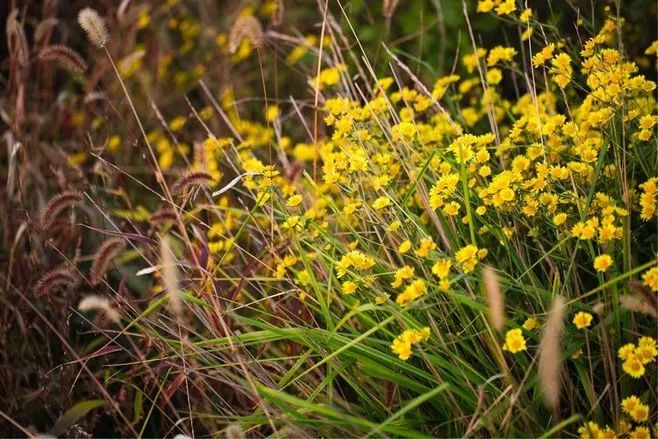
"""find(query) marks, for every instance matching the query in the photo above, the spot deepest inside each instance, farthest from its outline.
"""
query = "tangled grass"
(255, 229)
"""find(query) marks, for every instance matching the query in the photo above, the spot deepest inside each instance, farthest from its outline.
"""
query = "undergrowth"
(264, 219)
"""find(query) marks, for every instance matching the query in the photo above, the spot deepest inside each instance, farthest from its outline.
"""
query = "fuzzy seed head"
(99, 303)
(65, 56)
(495, 297)
(245, 27)
(170, 277)
(550, 362)
(94, 26)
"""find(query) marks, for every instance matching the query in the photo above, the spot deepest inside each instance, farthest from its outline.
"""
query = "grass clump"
(275, 232)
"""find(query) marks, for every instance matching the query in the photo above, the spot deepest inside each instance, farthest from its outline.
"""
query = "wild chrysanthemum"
(582, 320)
(602, 263)
(415, 290)
(650, 279)
(514, 341)
(530, 324)
(403, 343)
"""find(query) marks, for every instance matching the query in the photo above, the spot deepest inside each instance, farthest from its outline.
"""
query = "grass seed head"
(57, 205)
(104, 257)
(246, 27)
(549, 354)
(94, 26)
(170, 278)
(65, 56)
(57, 279)
(495, 298)
(99, 303)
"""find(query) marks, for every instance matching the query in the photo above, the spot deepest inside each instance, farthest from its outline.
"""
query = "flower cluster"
(636, 357)
(403, 343)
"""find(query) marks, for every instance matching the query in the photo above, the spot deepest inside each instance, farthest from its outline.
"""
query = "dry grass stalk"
(99, 303)
(549, 354)
(94, 26)
(103, 258)
(57, 205)
(16, 39)
(245, 27)
(495, 297)
(65, 56)
(170, 277)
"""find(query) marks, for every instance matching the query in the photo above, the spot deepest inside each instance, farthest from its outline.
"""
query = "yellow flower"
(646, 350)
(530, 324)
(349, 287)
(395, 225)
(426, 246)
(544, 55)
(441, 268)
(633, 366)
(559, 219)
(468, 258)
(591, 430)
(650, 279)
(582, 320)
(401, 275)
(401, 348)
(506, 7)
(640, 433)
(626, 351)
(294, 200)
(494, 76)
(500, 53)
(271, 113)
(640, 413)
(629, 404)
(381, 202)
(355, 259)
(562, 69)
(412, 292)
(514, 341)
(402, 344)
(602, 263)
(649, 198)
(405, 246)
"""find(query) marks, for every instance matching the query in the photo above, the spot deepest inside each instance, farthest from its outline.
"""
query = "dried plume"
(103, 258)
(64, 56)
(638, 304)
(16, 39)
(57, 205)
(170, 277)
(44, 29)
(388, 8)
(94, 26)
(57, 279)
(550, 353)
(233, 431)
(191, 179)
(99, 303)
(163, 216)
(495, 298)
(245, 27)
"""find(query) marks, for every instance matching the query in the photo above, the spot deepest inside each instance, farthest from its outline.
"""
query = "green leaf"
(74, 414)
